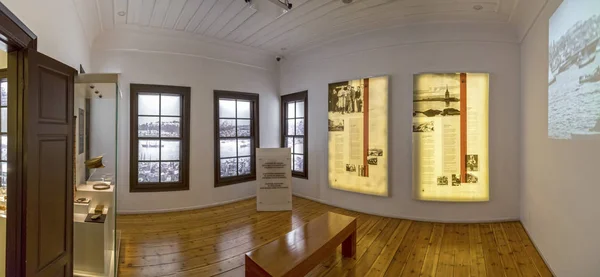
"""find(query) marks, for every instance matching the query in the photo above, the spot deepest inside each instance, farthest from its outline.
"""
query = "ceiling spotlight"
(347, 1)
(121, 13)
(478, 7)
(283, 49)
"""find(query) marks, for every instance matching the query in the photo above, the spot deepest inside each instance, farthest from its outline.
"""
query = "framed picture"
(358, 135)
(450, 137)
(81, 141)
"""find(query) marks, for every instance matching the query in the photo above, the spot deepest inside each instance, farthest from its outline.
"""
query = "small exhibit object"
(274, 176)
(94, 163)
(450, 137)
(99, 209)
(95, 218)
(358, 135)
(298, 256)
(83, 200)
(101, 186)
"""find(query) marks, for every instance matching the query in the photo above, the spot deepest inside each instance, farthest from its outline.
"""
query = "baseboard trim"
(436, 220)
(538, 249)
(158, 211)
(325, 203)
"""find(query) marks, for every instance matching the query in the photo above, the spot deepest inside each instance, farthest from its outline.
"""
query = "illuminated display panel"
(358, 135)
(574, 71)
(450, 137)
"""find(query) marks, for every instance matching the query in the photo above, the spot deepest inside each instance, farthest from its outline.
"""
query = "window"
(3, 131)
(294, 127)
(160, 136)
(236, 137)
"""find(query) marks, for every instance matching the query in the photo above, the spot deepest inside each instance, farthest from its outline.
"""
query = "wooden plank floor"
(213, 241)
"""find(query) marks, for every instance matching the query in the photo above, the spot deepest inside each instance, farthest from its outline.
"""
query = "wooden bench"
(299, 251)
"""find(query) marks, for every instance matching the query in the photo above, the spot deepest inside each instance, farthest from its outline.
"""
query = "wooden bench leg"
(349, 246)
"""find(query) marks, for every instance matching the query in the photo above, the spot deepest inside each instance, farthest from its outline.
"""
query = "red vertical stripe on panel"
(463, 127)
(366, 126)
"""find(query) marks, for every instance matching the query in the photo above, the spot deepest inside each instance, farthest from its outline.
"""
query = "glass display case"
(95, 234)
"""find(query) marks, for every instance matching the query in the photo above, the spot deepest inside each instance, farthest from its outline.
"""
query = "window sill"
(145, 188)
(228, 182)
(299, 176)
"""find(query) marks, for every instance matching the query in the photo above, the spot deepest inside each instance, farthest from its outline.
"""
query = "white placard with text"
(274, 176)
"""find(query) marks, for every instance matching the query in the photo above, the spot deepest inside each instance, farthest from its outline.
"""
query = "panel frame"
(184, 138)
(254, 131)
(285, 99)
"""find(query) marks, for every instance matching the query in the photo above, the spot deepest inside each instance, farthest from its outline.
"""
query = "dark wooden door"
(48, 165)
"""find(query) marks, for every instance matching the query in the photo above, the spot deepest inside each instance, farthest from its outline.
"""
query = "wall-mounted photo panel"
(574, 71)
(450, 137)
(358, 135)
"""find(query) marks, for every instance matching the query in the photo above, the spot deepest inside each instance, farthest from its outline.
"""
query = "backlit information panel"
(450, 137)
(358, 135)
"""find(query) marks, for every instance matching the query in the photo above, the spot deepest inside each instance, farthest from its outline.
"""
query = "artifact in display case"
(95, 237)
(358, 135)
(450, 137)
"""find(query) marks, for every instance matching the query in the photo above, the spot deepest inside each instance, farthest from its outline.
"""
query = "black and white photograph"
(4, 148)
(148, 172)
(228, 167)
(227, 128)
(372, 161)
(81, 141)
(169, 127)
(375, 152)
(472, 162)
(4, 119)
(3, 174)
(234, 147)
(423, 127)
(298, 146)
(169, 172)
(299, 122)
(243, 127)
(154, 150)
(436, 95)
(574, 70)
(350, 168)
(442, 180)
(4, 94)
(472, 178)
(298, 164)
(244, 166)
(148, 126)
(345, 98)
(360, 169)
(336, 125)
(455, 180)
(149, 150)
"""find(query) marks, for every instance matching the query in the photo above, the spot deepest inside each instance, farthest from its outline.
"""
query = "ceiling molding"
(167, 43)
(407, 35)
(186, 55)
(311, 22)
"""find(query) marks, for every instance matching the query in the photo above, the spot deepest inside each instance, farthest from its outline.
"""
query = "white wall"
(400, 53)
(57, 27)
(224, 69)
(560, 188)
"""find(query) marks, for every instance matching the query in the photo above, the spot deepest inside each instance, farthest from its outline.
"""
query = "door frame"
(16, 38)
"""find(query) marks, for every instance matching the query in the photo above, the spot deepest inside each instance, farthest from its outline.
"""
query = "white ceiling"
(264, 25)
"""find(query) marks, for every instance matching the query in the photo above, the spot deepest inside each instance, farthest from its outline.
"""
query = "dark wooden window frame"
(254, 131)
(183, 184)
(298, 96)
